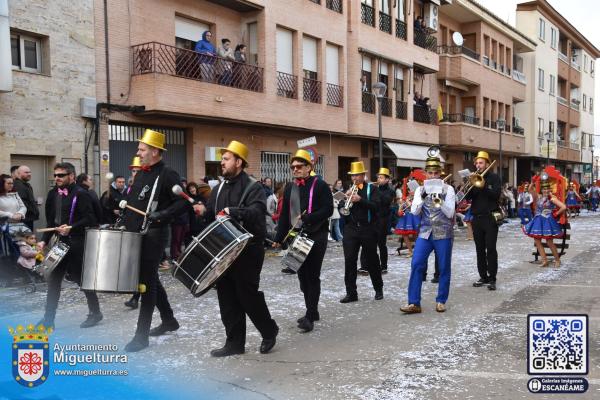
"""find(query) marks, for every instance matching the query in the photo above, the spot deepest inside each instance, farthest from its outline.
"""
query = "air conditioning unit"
(431, 18)
(87, 106)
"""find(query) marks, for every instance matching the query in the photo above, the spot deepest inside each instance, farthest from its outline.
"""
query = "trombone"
(476, 179)
(345, 211)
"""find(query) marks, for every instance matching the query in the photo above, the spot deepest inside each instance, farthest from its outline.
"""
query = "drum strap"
(251, 182)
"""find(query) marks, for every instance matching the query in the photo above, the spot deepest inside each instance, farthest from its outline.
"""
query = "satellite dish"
(457, 38)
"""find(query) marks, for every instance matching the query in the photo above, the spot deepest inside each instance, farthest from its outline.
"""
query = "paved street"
(367, 349)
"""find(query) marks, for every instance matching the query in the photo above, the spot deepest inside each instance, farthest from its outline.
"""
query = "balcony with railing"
(287, 85)
(386, 106)
(425, 40)
(335, 5)
(453, 50)
(401, 109)
(367, 14)
(335, 95)
(486, 123)
(401, 29)
(519, 76)
(459, 117)
(575, 104)
(563, 57)
(424, 115)
(161, 58)
(368, 103)
(518, 130)
(311, 90)
(486, 61)
(562, 100)
(385, 22)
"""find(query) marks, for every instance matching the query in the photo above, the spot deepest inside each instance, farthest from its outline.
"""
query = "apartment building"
(480, 81)
(47, 65)
(559, 106)
(310, 66)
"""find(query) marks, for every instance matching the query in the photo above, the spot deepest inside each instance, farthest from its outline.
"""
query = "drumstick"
(42, 230)
(123, 204)
(293, 227)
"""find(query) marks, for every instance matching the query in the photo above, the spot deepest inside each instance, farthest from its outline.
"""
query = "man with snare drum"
(307, 205)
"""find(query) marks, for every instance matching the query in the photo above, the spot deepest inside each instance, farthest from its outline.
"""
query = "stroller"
(11, 273)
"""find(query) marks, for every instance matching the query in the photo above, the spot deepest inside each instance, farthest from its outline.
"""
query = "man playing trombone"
(435, 203)
(484, 203)
(360, 230)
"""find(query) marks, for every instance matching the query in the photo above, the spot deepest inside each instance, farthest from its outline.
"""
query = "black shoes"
(229, 349)
(379, 294)
(480, 282)
(384, 270)
(132, 303)
(492, 285)
(349, 298)
(362, 271)
(47, 324)
(164, 327)
(435, 280)
(312, 319)
(137, 343)
(92, 319)
(268, 344)
(288, 270)
(306, 324)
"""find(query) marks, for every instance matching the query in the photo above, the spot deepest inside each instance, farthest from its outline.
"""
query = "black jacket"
(25, 192)
(83, 213)
(140, 193)
(251, 214)
(322, 208)
(386, 197)
(359, 213)
(485, 200)
(110, 202)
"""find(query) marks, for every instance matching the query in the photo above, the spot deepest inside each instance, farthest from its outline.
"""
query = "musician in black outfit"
(69, 209)
(307, 206)
(161, 209)
(386, 197)
(240, 197)
(485, 227)
(360, 230)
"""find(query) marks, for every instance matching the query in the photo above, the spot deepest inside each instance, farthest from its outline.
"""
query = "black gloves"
(423, 194)
(157, 215)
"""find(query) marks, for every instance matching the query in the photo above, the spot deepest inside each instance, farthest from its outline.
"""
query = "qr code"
(557, 344)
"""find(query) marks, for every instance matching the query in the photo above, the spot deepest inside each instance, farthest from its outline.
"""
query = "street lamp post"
(592, 149)
(500, 125)
(548, 136)
(379, 91)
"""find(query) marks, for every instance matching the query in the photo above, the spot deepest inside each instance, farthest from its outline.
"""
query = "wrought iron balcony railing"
(400, 29)
(287, 85)
(335, 5)
(311, 90)
(458, 50)
(386, 106)
(367, 14)
(424, 115)
(401, 109)
(385, 22)
(368, 103)
(161, 58)
(425, 40)
(335, 95)
(468, 119)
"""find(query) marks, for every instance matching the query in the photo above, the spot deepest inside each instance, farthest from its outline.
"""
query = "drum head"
(217, 269)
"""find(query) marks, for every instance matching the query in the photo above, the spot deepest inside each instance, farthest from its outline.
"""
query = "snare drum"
(297, 252)
(53, 258)
(111, 261)
(210, 254)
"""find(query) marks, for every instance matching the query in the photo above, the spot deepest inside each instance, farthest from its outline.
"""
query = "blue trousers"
(594, 203)
(525, 215)
(421, 252)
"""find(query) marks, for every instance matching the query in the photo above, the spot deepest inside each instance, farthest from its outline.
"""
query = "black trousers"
(72, 265)
(239, 296)
(153, 246)
(309, 275)
(485, 234)
(382, 232)
(355, 237)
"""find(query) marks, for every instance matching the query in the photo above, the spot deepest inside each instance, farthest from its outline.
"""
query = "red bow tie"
(63, 192)
(300, 182)
(146, 168)
(360, 186)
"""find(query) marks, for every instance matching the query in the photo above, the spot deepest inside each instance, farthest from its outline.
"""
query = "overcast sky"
(582, 14)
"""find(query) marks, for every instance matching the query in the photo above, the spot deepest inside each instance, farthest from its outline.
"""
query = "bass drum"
(210, 254)
(111, 261)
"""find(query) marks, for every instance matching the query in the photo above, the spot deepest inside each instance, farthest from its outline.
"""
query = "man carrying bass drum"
(309, 199)
(240, 197)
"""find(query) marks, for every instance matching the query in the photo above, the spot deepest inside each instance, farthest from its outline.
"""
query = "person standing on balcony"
(207, 57)
(485, 228)
(225, 66)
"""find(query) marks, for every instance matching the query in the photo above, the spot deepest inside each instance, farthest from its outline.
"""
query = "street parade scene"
(299, 199)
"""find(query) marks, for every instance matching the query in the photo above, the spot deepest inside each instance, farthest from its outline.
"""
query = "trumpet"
(476, 179)
(345, 211)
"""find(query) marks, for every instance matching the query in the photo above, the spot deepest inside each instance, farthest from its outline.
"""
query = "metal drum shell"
(210, 254)
(298, 252)
(111, 261)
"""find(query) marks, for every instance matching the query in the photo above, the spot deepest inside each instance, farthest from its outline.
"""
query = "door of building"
(41, 182)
